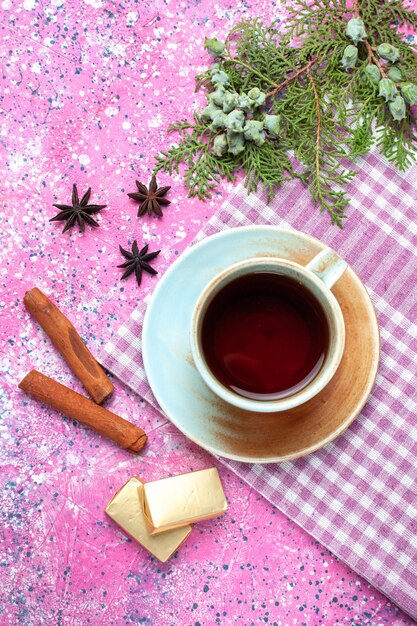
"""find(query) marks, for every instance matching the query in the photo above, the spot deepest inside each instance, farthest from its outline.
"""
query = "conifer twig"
(270, 100)
(371, 56)
(239, 61)
(296, 74)
(318, 131)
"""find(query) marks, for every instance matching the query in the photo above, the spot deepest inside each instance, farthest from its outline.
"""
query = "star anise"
(152, 199)
(79, 212)
(138, 261)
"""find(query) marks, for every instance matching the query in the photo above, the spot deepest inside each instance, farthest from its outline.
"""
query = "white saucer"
(210, 422)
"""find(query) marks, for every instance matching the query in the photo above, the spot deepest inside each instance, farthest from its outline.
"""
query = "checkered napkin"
(358, 495)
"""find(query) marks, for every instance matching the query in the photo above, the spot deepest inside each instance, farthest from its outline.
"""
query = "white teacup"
(316, 278)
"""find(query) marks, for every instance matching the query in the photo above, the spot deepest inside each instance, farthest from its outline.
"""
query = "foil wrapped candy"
(159, 514)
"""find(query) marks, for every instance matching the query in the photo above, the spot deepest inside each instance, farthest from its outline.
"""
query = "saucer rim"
(241, 458)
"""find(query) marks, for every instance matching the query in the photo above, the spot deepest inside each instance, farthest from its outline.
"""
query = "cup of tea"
(267, 334)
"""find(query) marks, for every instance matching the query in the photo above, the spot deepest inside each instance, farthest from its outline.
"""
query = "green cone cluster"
(355, 30)
(392, 88)
(232, 114)
(396, 92)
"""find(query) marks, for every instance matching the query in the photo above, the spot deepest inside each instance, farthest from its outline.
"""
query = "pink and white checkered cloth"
(358, 495)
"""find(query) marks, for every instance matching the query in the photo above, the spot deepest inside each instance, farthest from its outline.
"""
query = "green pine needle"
(330, 116)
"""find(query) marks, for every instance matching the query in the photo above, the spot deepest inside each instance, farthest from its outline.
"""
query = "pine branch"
(372, 58)
(398, 144)
(318, 131)
(268, 165)
(383, 14)
(202, 170)
(269, 99)
(278, 88)
(327, 170)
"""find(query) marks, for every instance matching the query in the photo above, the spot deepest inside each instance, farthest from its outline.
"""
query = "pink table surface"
(88, 90)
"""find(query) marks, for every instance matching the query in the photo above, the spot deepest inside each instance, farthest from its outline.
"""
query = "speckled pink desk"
(87, 92)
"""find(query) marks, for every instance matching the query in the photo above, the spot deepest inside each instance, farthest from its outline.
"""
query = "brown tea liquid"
(264, 336)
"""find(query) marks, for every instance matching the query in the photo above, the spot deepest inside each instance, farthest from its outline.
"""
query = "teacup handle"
(328, 266)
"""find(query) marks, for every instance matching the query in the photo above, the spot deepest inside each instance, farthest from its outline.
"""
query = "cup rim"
(288, 402)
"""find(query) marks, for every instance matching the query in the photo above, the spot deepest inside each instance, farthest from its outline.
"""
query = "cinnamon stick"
(70, 345)
(82, 409)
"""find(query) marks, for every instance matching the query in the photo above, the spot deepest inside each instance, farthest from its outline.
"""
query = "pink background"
(88, 90)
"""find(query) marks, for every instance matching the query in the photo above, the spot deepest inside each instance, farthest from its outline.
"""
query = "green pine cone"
(219, 121)
(387, 89)
(210, 112)
(244, 102)
(355, 29)
(397, 108)
(235, 142)
(373, 73)
(217, 96)
(229, 101)
(253, 131)
(214, 47)
(256, 96)
(388, 52)
(272, 124)
(409, 91)
(395, 74)
(350, 56)
(218, 77)
(220, 145)
(235, 121)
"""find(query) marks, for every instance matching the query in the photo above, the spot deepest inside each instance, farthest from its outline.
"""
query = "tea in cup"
(267, 334)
